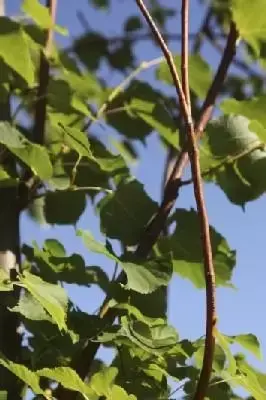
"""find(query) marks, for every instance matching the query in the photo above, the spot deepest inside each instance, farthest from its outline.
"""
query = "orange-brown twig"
(185, 50)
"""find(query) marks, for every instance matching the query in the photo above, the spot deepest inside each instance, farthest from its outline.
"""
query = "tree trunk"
(10, 341)
(9, 261)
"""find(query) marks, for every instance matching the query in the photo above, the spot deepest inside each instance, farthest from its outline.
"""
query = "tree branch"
(209, 271)
(43, 79)
(84, 359)
(203, 31)
(169, 59)
(184, 55)
(29, 182)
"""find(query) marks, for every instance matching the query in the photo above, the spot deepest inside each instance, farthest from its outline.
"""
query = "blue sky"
(241, 310)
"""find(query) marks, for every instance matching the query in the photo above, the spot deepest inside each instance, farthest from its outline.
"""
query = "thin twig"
(238, 63)
(228, 55)
(184, 55)
(172, 187)
(208, 268)
(203, 31)
(209, 271)
(118, 89)
(169, 59)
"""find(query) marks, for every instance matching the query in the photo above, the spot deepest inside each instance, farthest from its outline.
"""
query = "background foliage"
(55, 165)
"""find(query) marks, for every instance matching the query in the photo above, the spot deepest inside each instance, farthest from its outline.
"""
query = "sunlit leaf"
(117, 392)
(68, 378)
(33, 155)
(249, 20)
(40, 14)
(52, 298)
(225, 345)
(24, 374)
(102, 381)
(13, 37)
(253, 381)
(250, 343)
(78, 141)
(95, 246)
(31, 308)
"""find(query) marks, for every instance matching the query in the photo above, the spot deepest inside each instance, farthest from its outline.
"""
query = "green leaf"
(253, 109)
(143, 278)
(60, 179)
(77, 140)
(52, 298)
(70, 269)
(6, 179)
(36, 210)
(30, 308)
(95, 246)
(117, 392)
(250, 343)
(219, 358)
(108, 162)
(121, 57)
(40, 14)
(155, 339)
(24, 374)
(150, 275)
(186, 250)
(126, 149)
(132, 24)
(200, 76)
(33, 155)
(68, 378)
(101, 3)
(249, 20)
(137, 314)
(126, 120)
(12, 36)
(250, 379)
(125, 213)
(54, 247)
(235, 157)
(102, 381)
(64, 207)
(80, 47)
(225, 345)
(155, 115)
